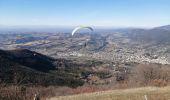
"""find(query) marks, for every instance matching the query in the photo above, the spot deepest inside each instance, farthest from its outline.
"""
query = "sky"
(104, 13)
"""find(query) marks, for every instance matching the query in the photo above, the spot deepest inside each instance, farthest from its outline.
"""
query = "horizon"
(109, 13)
(65, 29)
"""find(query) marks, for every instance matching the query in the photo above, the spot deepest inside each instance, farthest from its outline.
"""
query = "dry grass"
(20, 93)
(153, 93)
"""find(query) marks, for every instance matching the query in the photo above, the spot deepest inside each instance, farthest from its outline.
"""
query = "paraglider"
(81, 27)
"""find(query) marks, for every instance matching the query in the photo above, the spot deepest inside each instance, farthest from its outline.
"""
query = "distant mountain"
(156, 35)
(167, 27)
(31, 68)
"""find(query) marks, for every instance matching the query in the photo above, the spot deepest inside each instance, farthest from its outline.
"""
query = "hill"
(30, 59)
(156, 35)
(30, 68)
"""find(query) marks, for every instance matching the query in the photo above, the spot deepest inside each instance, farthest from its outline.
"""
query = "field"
(152, 93)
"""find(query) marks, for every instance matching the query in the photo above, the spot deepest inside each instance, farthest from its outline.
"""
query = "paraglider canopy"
(81, 27)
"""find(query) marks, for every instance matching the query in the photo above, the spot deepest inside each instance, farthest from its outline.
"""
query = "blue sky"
(108, 13)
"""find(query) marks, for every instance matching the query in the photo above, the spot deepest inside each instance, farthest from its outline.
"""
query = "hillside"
(152, 93)
(30, 59)
(30, 68)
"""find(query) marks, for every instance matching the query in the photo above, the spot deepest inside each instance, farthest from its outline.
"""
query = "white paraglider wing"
(81, 27)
